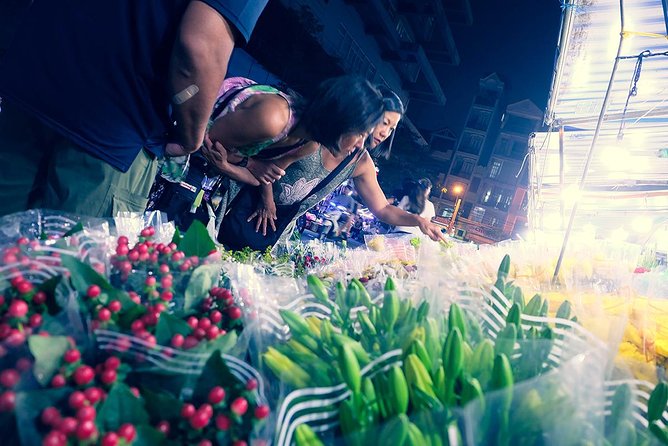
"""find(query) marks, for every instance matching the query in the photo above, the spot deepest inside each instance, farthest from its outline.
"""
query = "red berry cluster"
(153, 258)
(218, 413)
(306, 261)
(80, 375)
(21, 309)
(77, 422)
(18, 254)
(218, 315)
(102, 315)
(9, 380)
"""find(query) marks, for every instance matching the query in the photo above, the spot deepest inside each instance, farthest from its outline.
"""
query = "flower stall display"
(158, 337)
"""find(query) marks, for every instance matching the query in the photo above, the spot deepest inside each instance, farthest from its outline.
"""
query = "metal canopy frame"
(586, 93)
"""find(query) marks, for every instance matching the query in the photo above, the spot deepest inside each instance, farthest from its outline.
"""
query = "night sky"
(516, 39)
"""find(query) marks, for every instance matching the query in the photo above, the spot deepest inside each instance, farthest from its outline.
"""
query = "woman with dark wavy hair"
(380, 141)
(304, 174)
(252, 127)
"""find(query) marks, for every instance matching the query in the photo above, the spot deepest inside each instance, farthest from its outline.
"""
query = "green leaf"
(121, 406)
(83, 275)
(165, 382)
(176, 238)
(48, 352)
(54, 326)
(214, 373)
(504, 268)
(49, 288)
(168, 326)
(128, 316)
(223, 343)
(196, 241)
(74, 230)
(161, 406)
(201, 281)
(148, 436)
(29, 406)
(223, 437)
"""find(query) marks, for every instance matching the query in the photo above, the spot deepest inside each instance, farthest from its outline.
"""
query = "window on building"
(479, 120)
(507, 200)
(503, 198)
(466, 209)
(518, 149)
(477, 214)
(475, 183)
(498, 198)
(486, 98)
(471, 143)
(493, 221)
(463, 167)
(487, 196)
(519, 125)
(496, 169)
(502, 146)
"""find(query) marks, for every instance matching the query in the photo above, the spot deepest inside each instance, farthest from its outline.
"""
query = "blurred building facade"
(489, 168)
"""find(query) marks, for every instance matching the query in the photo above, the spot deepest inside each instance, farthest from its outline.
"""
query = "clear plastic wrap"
(130, 224)
(43, 223)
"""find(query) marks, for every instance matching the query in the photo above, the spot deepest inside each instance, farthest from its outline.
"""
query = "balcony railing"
(482, 230)
(461, 173)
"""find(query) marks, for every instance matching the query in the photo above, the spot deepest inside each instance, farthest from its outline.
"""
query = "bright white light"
(589, 229)
(661, 237)
(581, 74)
(616, 158)
(552, 221)
(571, 194)
(619, 235)
(642, 224)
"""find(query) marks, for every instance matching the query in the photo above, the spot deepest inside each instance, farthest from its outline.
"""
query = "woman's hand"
(216, 154)
(265, 171)
(431, 230)
(265, 213)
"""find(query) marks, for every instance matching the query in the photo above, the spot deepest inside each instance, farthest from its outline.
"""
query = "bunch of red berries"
(75, 372)
(74, 420)
(75, 423)
(22, 306)
(218, 315)
(305, 261)
(233, 415)
(9, 381)
(154, 259)
(22, 255)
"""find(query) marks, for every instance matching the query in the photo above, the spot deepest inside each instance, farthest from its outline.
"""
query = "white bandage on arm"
(185, 94)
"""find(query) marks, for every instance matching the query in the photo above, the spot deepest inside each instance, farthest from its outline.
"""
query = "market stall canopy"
(627, 184)
(586, 55)
(638, 158)
(604, 162)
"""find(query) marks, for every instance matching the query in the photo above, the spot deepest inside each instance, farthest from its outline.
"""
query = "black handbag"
(236, 232)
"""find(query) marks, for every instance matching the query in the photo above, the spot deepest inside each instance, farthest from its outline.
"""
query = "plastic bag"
(130, 224)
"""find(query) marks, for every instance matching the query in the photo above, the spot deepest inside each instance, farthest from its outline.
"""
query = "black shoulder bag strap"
(330, 177)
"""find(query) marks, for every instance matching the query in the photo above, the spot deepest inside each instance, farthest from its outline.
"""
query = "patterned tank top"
(235, 91)
(299, 180)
